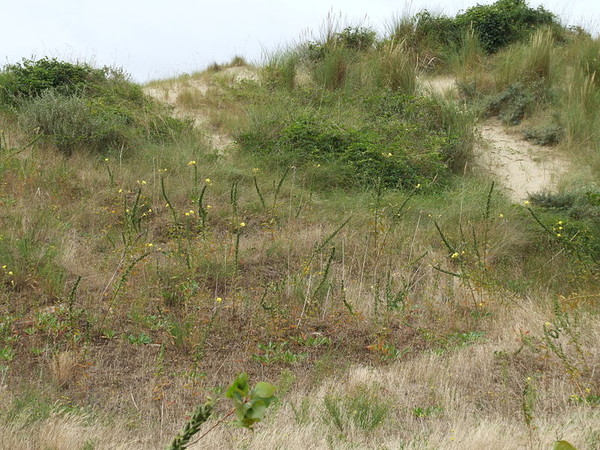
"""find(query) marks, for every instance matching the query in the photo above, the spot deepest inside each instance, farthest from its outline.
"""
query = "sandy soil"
(439, 85)
(518, 165)
(168, 92)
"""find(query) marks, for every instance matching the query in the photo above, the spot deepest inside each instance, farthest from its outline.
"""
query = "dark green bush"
(496, 26)
(433, 122)
(356, 38)
(504, 22)
(545, 135)
(30, 78)
(434, 32)
(71, 122)
(76, 106)
(400, 153)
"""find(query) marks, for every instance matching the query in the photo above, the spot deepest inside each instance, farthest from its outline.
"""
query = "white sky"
(159, 38)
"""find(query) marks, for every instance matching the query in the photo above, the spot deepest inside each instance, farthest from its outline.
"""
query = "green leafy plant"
(563, 445)
(504, 22)
(273, 353)
(249, 406)
(30, 78)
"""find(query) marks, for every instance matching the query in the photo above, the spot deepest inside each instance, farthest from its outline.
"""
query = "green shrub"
(573, 221)
(512, 104)
(504, 22)
(401, 139)
(30, 78)
(550, 134)
(400, 153)
(72, 122)
(434, 123)
(436, 37)
(356, 38)
(76, 106)
(427, 35)
(436, 31)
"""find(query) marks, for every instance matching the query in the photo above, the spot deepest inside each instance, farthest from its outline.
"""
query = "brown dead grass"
(465, 346)
(476, 393)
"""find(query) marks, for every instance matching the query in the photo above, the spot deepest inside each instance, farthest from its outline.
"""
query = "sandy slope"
(516, 164)
(169, 92)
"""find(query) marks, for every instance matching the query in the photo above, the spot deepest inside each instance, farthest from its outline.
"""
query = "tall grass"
(398, 68)
(281, 70)
(531, 62)
(338, 250)
(467, 60)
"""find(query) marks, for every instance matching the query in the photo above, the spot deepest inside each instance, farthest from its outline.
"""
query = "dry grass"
(168, 310)
(468, 397)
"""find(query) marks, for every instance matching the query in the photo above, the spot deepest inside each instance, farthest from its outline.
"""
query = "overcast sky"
(158, 38)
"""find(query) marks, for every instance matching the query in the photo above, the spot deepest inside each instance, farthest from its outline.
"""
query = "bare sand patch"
(444, 85)
(199, 88)
(519, 166)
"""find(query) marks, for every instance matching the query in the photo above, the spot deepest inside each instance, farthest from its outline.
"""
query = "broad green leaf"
(263, 390)
(563, 445)
(257, 411)
(239, 389)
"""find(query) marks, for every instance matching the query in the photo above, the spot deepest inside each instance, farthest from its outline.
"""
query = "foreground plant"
(249, 406)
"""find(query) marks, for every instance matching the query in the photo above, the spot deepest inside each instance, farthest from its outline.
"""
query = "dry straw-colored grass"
(450, 361)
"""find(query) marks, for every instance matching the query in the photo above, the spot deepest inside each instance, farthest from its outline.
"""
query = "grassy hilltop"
(323, 223)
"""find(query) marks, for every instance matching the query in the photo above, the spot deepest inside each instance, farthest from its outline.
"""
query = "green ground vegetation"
(341, 248)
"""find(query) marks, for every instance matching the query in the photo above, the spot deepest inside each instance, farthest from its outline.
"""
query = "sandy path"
(519, 166)
(443, 85)
(169, 92)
